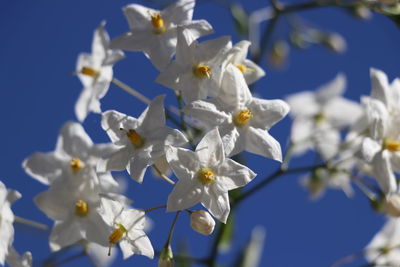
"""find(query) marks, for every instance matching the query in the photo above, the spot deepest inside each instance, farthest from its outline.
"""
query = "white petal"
(380, 85)
(112, 121)
(179, 12)
(327, 142)
(137, 168)
(154, 115)
(234, 91)
(74, 141)
(44, 167)
(303, 104)
(208, 112)
(115, 162)
(383, 172)
(234, 142)
(232, 175)
(183, 162)
(342, 112)
(140, 243)
(377, 116)
(260, 142)
(217, 202)
(210, 150)
(369, 148)
(198, 28)
(64, 234)
(186, 193)
(267, 112)
(331, 90)
(138, 16)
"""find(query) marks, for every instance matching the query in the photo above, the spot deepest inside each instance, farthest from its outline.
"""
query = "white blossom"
(155, 32)
(205, 176)
(140, 142)
(95, 72)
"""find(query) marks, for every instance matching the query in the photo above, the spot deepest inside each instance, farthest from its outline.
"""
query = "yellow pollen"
(81, 208)
(76, 164)
(243, 117)
(136, 140)
(202, 71)
(392, 146)
(244, 68)
(158, 23)
(206, 176)
(116, 236)
(89, 72)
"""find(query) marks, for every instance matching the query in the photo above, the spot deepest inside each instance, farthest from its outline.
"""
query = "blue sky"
(38, 50)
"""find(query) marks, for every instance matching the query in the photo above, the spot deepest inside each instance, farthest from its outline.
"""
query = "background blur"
(40, 41)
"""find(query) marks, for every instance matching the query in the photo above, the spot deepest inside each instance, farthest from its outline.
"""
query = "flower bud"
(391, 205)
(166, 258)
(202, 222)
(336, 43)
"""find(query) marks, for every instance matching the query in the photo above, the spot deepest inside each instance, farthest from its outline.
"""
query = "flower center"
(202, 71)
(136, 140)
(116, 236)
(158, 23)
(242, 117)
(392, 146)
(89, 72)
(206, 176)
(319, 117)
(81, 208)
(76, 165)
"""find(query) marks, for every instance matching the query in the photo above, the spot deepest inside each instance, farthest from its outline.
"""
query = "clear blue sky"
(40, 41)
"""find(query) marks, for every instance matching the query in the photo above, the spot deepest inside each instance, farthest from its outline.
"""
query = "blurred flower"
(7, 198)
(205, 176)
(155, 32)
(95, 72)
(15, 260)
(384, 248)
(139, 142)
(319, 116)
(202, 222)
(390, 205)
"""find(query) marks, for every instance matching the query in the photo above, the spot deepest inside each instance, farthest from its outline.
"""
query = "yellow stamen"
(384, 250)
(244, 68)
(116, 236)
(206, 176)
(136, 140)
(81, 208)
(158, 23)
(392, 146)
(202, 71)
(242, 117)
(76, 164)
(89, 72)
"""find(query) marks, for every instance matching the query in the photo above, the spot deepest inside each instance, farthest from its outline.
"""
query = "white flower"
(242, 120)
(75, 158)
(381, 149)
(319, 116)
(337, 177)
(95, 72)
(237, 57)
(196, 71)
(99, 254)
(384, 248)
(15, 260)
(202, 222)
(128, 229)
(140, 142)
(75, 207)
(205, 176)
(7, 198)
(154, 32)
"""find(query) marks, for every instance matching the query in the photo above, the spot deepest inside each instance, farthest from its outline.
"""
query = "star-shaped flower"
(384, 248)
(237, 57)
(319, 116)
(154, 32)
(197, 69)
(140, 142)
(7, 198)
(128, 229)
(205, 176)
(75, 158)
(242, 120)
(95, 72)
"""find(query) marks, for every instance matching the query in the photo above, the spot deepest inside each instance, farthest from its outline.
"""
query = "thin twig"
(162, 175)
(155, 208)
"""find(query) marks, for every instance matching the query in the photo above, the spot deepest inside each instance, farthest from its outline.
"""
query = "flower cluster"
(83, 199)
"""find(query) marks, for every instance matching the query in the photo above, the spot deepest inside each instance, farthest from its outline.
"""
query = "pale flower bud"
(391, 205)
(336, 43)
(202, 222)
(166, 258)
